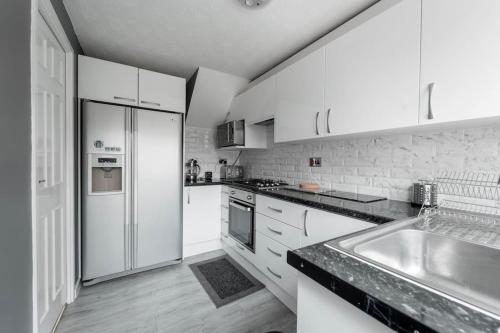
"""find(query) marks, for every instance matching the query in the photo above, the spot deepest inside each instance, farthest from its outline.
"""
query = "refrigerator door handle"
(134, 189)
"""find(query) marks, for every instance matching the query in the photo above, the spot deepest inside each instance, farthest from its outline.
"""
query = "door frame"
(46, 10)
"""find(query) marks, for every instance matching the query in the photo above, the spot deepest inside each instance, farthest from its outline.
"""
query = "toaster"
(231, 172)
(425, 194)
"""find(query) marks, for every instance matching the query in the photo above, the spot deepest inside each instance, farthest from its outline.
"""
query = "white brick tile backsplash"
(384, 165)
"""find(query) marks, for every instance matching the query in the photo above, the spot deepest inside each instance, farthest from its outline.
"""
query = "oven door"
(241, 223)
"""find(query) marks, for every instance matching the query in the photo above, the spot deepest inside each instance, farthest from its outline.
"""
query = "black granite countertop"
(378, 212)
(401, 305)
(203, 182)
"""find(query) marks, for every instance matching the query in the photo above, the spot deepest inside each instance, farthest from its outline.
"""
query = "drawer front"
(272, 262)
(279, 231)
(224, 227)
(280, 210)
(224, 199)
(224, 213)
(244, 252)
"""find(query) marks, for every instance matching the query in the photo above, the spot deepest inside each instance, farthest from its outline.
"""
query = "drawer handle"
(271, 271)
(275, 209)
(150, 103)
(225, 236)
(124, 98)
(274, 252)
(224, 221)
(240, 247)
(275, 231)
(224, 206)
(305, 223)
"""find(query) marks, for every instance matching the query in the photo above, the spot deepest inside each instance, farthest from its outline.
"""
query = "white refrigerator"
(131, 190)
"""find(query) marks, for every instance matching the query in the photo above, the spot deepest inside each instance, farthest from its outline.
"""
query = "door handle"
(150, 103)
(328, 120)
(189, 196)
(317, 116)
(275, 231)
(124, 98)
(305, 223)
(274, 252)
(430, 112)
(275, 209)
(275, 274)
(248, 209)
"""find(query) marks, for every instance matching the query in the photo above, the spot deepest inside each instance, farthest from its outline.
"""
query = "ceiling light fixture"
(254, 3)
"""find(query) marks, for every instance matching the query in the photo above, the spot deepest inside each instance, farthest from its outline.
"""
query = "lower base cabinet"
(321, 311)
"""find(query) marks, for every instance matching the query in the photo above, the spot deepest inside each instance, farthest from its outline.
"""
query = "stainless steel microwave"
(231, 134)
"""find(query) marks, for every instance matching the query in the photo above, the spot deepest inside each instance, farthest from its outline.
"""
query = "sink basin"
(467, 271)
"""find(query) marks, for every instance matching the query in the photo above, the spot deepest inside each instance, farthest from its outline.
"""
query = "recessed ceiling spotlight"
(254, 3)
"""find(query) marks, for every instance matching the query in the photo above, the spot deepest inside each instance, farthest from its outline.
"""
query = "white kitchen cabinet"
(320, 226)
(161, 91)
(460, 74)
(372, 73)
(321, 311)
(202, 219)
(107, 81)
(286, 212)
(300, 99)
(271, 260)
(279, 231)
(257, 103)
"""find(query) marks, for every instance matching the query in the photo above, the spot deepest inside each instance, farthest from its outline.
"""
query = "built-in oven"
(242, 217)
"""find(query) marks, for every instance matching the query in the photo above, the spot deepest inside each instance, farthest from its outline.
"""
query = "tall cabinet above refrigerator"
(131, 190)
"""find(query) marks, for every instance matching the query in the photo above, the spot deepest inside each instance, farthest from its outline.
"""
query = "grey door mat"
(224, 280)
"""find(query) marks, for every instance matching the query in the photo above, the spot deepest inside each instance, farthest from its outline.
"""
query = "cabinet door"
(161, 91)
(258, 103)
(300, 102)
(202, 214)
(107, 81)
(460, 60)
(321, 226)
(372, 73)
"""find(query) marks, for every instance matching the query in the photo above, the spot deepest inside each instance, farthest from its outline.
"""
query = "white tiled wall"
(200, 145)
(382, 165)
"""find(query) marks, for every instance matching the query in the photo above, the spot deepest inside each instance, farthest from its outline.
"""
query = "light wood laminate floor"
(171, 300)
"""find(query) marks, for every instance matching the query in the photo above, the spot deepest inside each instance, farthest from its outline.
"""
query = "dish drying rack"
(470, 210)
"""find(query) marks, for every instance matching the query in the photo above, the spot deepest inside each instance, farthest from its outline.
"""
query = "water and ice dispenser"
(106, 174)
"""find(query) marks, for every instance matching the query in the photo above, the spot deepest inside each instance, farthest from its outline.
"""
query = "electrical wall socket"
(315, 162)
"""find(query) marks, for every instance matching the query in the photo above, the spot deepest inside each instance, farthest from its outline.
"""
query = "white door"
(372, 73)
(299, 99)
(49, 232)
(460, 60)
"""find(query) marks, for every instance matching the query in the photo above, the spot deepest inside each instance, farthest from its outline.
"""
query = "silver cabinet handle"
(275, 209)
(248, 209)
(124, 98)
(274, 252)
(150, 103)
(305, 223)
(275, 231)
(189, 196)
(224, 206)
(271, 271)
(328, 120)
(41, 181)
(233, 192)
(317, 116)
(240, 247)
(430, 113)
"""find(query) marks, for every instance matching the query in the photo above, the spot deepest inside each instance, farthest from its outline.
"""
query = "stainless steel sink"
(467, 271)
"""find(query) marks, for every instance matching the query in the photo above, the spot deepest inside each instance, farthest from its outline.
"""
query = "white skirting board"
(284, 297)
(202, 247)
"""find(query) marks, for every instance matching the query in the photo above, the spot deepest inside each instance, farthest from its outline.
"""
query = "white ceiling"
(177, 36)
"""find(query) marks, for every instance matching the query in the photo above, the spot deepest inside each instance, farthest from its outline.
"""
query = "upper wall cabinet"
(300, 100)
(372, 73)
(460, 76)
(107, 81)
(160, 91)
(257, 103)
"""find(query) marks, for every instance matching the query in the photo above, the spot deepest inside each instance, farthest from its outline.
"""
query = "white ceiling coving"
(177, 36)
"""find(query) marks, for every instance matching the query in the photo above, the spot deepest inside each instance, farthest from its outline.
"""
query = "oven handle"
(248, 209)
